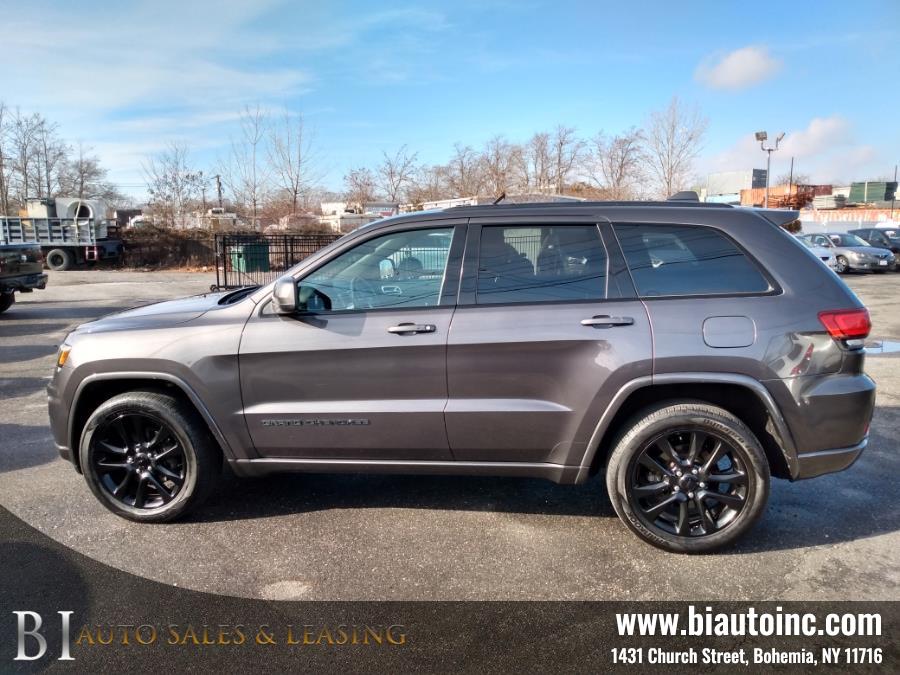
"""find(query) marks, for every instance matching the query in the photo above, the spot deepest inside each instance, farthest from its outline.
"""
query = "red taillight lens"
(846, 324)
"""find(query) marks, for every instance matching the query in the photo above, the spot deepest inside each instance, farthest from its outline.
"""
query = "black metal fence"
(257, 259)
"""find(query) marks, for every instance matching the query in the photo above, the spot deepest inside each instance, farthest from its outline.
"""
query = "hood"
(156, 315)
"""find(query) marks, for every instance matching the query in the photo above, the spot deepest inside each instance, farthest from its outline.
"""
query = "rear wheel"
(6, 301)
(688, 477)
(148, 457)
(60, 260)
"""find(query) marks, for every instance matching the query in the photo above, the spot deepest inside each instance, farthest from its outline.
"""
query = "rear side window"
(541, 263)
(687, 260)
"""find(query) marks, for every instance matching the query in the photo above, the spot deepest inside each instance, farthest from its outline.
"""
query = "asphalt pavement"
(340, 537)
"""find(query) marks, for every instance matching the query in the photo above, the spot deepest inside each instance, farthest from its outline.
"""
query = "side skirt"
(557, 473)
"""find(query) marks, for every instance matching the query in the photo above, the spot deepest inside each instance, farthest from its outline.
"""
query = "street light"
(762, 137)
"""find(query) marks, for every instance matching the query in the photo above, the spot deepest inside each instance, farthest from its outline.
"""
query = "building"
(725, 187)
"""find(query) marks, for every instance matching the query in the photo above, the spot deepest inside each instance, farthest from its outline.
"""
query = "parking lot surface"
(328, 537)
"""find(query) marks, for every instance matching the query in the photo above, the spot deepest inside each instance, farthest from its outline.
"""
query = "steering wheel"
(362, 292)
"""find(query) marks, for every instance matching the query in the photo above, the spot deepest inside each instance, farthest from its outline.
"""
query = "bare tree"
(52, 154)
(428, 184)
(798, 179)
(293, 158)
(359, 186)
(23, 146)
(502, 161)
(465, 172)
(173, 185)
(395, 174)
(84, 177)
(616, 163)
(244, 173)
(4, 164)
(566, 150)
(539, 163)
(673, 141)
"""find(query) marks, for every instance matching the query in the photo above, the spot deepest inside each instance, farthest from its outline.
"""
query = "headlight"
(63, 355)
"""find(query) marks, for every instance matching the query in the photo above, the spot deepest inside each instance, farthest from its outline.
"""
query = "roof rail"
(590, 204)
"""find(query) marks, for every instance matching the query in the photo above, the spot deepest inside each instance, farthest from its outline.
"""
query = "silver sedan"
(851, 252)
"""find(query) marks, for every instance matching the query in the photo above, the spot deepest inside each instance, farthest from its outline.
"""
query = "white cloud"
(826, 150)
(739, 69)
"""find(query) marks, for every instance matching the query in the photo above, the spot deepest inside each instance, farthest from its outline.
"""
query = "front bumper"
(812, 464)
(25, 283)
(873, 264)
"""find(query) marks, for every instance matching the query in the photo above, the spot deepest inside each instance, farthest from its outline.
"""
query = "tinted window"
(400, 269)
(686, 260)
(541, 263)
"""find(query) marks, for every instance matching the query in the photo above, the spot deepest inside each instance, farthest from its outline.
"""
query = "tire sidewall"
(628, 450)
(113, 408)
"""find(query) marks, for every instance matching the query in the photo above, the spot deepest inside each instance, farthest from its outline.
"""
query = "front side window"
(540, 263)
(399, 269)
(686, 260)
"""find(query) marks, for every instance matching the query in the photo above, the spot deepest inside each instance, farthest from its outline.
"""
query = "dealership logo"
(28, 631)
(316, 422)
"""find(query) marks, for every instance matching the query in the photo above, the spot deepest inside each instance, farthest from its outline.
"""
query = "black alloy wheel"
(688, 482)
(138, 460)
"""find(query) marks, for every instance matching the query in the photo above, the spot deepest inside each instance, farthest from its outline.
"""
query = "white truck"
(70, 231)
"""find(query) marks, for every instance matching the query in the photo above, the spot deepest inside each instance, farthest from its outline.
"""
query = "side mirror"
(284, 296)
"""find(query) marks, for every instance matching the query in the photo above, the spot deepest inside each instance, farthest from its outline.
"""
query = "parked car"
(822, 253)
(852, 253)
(21, 271)
(493, 340)
(880, 237)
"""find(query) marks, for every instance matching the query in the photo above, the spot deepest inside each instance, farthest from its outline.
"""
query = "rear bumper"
(26, 283)
(812, 464)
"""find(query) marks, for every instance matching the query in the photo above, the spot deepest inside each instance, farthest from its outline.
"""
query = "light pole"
(762, 136)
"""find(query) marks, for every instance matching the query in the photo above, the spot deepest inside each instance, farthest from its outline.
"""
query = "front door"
(546, 332)
(360, 373)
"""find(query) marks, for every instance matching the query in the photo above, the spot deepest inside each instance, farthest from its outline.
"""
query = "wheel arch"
(739, 394)
(98, 388)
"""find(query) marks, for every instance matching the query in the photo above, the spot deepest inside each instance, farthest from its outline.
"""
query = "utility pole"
(762, 136)
(219, 188)
(791, 176)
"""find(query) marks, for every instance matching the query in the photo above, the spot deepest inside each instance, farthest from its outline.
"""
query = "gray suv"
(686, 351)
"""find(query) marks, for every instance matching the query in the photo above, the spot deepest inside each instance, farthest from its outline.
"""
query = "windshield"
(808, 244)
(847, 240)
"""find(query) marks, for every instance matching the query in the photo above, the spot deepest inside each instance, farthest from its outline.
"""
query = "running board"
(558, 473)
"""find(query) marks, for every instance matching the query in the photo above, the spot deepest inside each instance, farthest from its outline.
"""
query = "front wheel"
(6, 301)
(148, 457)
(688, 477)
(842, 265)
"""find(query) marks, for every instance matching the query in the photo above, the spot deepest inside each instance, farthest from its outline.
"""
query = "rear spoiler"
(780, 217)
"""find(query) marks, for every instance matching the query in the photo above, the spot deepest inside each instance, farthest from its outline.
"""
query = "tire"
(193, 468)
(685, 529)
(6, 301)
(60, 260)
(843, 265)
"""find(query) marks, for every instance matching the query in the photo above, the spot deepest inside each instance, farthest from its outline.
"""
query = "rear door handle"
(412, 328)
(605, 321)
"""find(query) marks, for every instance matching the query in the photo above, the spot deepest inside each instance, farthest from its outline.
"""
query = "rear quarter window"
(687, 260)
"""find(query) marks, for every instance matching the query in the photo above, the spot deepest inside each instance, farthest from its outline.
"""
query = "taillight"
(846, 324)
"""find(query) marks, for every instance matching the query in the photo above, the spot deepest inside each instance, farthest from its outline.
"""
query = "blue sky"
(126, 78)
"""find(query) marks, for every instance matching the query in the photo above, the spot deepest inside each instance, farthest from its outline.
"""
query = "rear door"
(360, 373)
(546, 332)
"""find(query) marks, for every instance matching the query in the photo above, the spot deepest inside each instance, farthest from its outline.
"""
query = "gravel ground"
(428, 538)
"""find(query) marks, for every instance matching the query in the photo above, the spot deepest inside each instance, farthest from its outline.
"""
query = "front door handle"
(412, 328)
(605, 321)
